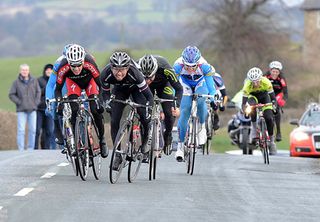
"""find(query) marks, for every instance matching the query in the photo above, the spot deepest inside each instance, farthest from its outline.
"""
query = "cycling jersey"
(164, 75)
(264, 86)
(88, 78)
(133, 78)
(279, 84)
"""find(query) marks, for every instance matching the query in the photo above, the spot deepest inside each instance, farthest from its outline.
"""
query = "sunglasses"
(191, 67)
(75, 66)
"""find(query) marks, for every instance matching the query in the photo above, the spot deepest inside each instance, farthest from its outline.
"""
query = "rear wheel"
(82, 149)
(119, 152)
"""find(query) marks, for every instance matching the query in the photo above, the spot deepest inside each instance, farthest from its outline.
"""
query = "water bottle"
(136, 133)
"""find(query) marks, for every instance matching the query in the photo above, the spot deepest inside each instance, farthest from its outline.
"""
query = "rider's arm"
(284, 88)
(91, 65)
(105, 85)
(207, 72)
(174, 82)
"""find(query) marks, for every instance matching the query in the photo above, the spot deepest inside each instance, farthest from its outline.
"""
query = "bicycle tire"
(135, 158)
(82, 150)
(94, 152)
(70, 146)
(194, 147)
(123, 136)
(264, 142)
(154, 147)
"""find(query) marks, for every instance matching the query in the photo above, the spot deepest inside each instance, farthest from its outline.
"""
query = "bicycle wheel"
(70, 145)
(264, 142)
(94, 144)
(119, 152)
(154, 133)
(210, 131)
(194, 146)
(135, 157)
(82, 150)
(244, 146)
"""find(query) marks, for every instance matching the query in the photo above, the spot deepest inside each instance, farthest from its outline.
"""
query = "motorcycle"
(239, 132)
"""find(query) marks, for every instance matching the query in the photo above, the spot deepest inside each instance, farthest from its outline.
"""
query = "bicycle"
(86, 137)
(191, 140)
(67, 133)
(209, 125)
(155, 136)
(263, 140)
(127, 147)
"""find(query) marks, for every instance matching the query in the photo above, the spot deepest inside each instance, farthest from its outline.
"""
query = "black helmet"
(149, 65)
(120, 59)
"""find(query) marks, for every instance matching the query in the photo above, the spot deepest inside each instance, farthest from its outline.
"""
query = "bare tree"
(239, 32)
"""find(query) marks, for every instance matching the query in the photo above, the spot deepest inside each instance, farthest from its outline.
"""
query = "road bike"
(263, 141)
(127, 146)
(155, 136)
(191, 139)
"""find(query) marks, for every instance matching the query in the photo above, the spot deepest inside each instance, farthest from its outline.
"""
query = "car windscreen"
(311, 119)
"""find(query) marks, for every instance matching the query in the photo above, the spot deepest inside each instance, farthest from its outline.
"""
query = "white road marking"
(1, 207)
(258, 152)
(24, 192)
(63, 164)
(48, 175)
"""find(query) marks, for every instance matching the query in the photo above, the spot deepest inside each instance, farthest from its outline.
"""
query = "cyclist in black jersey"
(79, 70)
(279, 84)
(161, 79)
(127, 80)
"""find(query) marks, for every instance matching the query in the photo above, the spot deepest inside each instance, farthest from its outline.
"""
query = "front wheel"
(119, 152)
(94, 144)
(82, 149)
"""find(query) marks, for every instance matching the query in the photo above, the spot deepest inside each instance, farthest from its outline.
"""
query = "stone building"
(311, 47)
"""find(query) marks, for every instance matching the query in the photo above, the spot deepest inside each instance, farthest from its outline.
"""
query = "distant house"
(311, 48)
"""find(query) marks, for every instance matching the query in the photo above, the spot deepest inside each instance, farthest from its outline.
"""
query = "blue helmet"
(191, 55)
(65, 49)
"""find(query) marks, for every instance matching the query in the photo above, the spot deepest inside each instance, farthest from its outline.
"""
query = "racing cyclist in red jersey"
(79, 70)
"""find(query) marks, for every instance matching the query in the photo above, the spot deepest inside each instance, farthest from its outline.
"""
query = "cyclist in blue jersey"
(195, 76)
(50, 88)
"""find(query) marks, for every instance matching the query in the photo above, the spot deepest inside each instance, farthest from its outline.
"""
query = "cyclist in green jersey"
(258, 89)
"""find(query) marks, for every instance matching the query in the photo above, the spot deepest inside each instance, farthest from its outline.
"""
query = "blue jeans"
(22, 119)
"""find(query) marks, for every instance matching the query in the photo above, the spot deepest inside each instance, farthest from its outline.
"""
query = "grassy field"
(10, 68)
(221, 141)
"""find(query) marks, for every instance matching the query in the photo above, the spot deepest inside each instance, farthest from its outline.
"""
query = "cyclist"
(123, 73)
(279, 84)
(221, 91)
(50, 87)
(195, 76)
(161, 79)
(258, 89)
(79, 70)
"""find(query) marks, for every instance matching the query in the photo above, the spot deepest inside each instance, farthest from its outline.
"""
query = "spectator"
(45, 124)
(25, 93)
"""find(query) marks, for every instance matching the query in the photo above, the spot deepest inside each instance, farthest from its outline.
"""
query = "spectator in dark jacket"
(45, 124)
(25, 93)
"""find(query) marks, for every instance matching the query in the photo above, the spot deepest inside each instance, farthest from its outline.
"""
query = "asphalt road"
(224, 187)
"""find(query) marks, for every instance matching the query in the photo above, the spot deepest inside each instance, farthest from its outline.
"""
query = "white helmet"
(275, 65)
(254, 74)
(75, 54)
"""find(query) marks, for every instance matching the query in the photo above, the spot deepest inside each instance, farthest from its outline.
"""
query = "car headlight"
(299, 136)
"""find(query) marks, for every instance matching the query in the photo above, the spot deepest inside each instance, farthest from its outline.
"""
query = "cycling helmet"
(254, 74)
(120, 59)
(191, 56)
(75, 54)
(65, 49)
(275, 65)
(149, 65)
